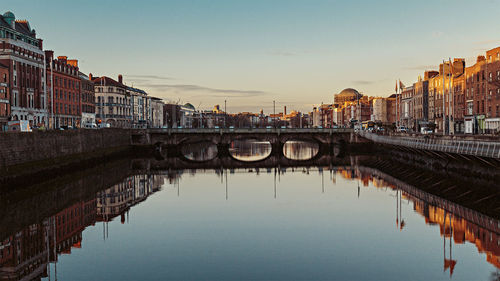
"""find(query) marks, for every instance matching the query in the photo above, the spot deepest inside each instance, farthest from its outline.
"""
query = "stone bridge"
(171, 140)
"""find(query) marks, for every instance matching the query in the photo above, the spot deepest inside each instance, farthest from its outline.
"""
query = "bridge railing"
(490, 149)
(252, 130)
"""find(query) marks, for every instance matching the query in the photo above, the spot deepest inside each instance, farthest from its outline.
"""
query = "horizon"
(250, 54)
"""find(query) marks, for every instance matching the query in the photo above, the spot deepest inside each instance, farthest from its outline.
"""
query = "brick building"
(22, 53)
(87, 93)
(4, 96)
(492, 90)
(63, 85)
(459, 105)
(475, 92)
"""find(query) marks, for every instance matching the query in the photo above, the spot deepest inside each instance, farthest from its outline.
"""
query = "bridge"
(172, 139)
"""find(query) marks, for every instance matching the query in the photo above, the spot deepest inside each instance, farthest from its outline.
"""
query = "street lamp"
(274, 113)
(225, 113)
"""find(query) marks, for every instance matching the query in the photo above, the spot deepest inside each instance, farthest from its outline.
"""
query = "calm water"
(302, 223)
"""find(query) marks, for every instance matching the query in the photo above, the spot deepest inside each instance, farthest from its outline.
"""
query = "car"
(283, 127)
(217, 127)
(426, 131)
(402, 129)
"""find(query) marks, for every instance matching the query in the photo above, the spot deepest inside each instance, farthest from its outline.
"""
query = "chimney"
(73, 63)
(62, 59)
(49, 55)
(120, 79)
(480, 58)
(284, 109)
(91, 77)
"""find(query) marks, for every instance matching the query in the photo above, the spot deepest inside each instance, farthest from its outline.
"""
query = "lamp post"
(225, 113)
(274, 113)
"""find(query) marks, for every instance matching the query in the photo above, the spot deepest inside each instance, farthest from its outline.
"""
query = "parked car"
(426, 131)
(402, 129)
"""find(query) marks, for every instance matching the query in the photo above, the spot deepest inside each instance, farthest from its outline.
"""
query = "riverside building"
(88, 101)
(21, 52)
(63, 83)
(113, 103)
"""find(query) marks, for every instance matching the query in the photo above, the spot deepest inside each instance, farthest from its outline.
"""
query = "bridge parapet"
(176, 136)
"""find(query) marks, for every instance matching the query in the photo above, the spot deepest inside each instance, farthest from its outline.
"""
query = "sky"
(297, 53)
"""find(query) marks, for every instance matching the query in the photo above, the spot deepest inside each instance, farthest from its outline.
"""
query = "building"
(421, 101)
(156, 117)
(347, 95)
(113, 103)
(141, 108)
(63, 82)
(475, 92)
(4, 97)
(171, 115)
(21, 52)
(87, 93)
(459, 103)
(406, 116)
(492, 69)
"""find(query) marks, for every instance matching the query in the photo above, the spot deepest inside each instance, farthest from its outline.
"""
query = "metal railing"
(252, 130)
(490, 149)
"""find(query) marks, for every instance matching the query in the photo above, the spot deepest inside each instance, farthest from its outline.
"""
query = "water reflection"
(202, 151)
(250, 150)
(356, 222)
(300, 150)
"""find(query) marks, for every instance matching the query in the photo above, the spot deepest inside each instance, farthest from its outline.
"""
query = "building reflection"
(29, 253)
(32, 253)
(456, 223)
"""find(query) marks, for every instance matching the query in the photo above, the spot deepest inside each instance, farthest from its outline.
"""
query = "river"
(128, 220)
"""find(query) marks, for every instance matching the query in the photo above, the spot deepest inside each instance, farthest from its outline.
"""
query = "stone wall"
(20, 151)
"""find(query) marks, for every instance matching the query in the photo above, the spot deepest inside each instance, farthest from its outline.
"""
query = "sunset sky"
(250, 53)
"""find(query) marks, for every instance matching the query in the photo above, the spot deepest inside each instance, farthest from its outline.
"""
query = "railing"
(252, 130)
(490, 149)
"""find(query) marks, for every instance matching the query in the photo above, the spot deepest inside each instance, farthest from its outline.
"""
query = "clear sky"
(250, 53)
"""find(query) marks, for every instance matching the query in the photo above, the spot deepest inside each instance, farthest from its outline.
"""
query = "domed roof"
(349, 92)
(9, 14)
(188, 105)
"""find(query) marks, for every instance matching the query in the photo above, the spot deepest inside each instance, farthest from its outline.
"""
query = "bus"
(368, 125)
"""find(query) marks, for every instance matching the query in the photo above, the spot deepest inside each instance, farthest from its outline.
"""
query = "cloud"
(283, 54)
(420, 67)
(437, 34)
(363, 82)
(206, 91)
(488, 42)
(153, 77)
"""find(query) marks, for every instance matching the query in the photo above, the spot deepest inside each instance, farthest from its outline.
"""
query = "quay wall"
(28, 153)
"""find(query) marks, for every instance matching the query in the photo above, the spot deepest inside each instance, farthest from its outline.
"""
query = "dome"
(9, 17)
(9, 14)
(349, 92)
(188, 105)
(347, 95)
